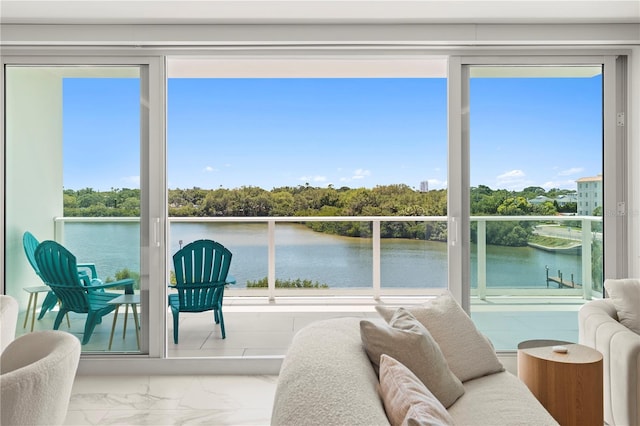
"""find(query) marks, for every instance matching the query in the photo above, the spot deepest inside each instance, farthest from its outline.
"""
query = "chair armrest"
(90, 266)
(230, 280)
(126, 283)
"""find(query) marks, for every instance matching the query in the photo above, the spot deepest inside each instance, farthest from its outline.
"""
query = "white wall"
(33, 167)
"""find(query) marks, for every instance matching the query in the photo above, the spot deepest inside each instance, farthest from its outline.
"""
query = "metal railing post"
(271, 270)
(586, 259)
(482, 259)
(58, 230)
(376, 259)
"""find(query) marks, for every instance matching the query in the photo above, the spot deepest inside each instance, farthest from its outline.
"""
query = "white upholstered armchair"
(37, 373)
(8, 320)
(603, 325)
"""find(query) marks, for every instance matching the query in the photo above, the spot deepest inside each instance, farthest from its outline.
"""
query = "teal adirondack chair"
(87, 272)
(59, 270)
(202, 273)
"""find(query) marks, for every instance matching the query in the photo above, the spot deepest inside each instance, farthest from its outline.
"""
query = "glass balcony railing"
(368, 256)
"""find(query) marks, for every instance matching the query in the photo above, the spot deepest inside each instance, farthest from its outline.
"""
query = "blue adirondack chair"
(59, 270)
(87, 272)
(202, 273)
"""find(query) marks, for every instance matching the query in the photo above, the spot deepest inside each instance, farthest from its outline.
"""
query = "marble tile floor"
(171, 400)
(259, 328)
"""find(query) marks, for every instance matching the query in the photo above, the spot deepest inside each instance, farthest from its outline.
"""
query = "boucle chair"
(37, 373)
(8, 320)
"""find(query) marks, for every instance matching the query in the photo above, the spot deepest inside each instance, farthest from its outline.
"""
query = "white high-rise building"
(589, 195)
(424, 186)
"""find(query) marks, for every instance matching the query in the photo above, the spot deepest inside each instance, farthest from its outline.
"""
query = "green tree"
(515, 206)
(545, 209)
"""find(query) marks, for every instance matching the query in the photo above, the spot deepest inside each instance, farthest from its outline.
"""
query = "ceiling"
(318, 11)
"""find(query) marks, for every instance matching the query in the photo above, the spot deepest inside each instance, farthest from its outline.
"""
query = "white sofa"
(600, 328)
(327, 379)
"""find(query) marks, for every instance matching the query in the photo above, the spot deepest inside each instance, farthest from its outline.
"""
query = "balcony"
(261, 321)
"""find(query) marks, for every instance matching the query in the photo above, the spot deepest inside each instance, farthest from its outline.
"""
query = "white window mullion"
(458, 182)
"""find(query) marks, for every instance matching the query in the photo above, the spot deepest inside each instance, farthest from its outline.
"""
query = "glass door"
(536, 191)
(73, 172)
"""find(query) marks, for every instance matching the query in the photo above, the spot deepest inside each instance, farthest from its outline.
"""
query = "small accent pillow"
(625, 295)
(406, 399)
(467, 351)
(406, 340)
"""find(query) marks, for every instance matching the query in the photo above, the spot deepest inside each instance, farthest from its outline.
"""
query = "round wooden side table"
(569, 385)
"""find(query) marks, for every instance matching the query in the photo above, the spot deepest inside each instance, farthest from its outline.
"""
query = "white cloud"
(131, 181)
(513, 174)
(571, 171)
(360, 174)
(209, 169)
(437, 184)
(357, 174)
(562, 184)
(513, 180)
(313, 178)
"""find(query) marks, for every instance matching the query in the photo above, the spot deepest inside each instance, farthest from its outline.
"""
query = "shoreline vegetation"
(385, 200)
(306, 200)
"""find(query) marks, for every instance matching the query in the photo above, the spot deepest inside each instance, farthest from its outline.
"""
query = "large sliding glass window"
(73, 138)
(311, 178)
(324, 178)
(536, 198)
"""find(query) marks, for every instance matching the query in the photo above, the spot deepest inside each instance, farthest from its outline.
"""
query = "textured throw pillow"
(406, 340)
(406, 399)
(625, 295)
(466, 350)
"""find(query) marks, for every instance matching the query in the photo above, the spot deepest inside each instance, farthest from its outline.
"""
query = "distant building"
(589, 194)
(539, 199)
(563, 200)
(424, 186)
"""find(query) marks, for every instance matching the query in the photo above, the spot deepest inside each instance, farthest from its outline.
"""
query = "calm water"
(302, 253)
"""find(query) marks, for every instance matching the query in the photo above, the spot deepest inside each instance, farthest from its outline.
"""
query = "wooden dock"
(561, 281)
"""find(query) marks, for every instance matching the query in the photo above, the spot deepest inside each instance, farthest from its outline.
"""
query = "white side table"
(127, 300)
(33, 302)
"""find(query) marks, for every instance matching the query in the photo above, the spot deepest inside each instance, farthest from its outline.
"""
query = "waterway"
(328, 259)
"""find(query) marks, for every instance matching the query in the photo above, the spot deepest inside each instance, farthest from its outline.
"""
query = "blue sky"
(341, 132)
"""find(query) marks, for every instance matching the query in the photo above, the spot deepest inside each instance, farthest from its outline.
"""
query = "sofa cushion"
(468, 353)
(499, 399)
(406, 340)
(625, 294)
(406, 399)
(326, 379)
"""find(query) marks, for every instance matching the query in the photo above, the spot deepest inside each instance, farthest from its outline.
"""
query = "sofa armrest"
(620, 347)
(624, 376)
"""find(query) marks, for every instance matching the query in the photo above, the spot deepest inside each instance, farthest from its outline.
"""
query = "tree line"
(306, 200)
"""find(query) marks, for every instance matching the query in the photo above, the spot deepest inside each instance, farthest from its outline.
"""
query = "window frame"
(154, 225)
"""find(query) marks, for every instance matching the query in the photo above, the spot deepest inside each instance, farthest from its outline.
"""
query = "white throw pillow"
(467, 351)
(406, 340)
(625, 295)
(407, 401)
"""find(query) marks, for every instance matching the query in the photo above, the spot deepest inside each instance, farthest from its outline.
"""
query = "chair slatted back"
(29, 243)
(201, 269)
(58, 269)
